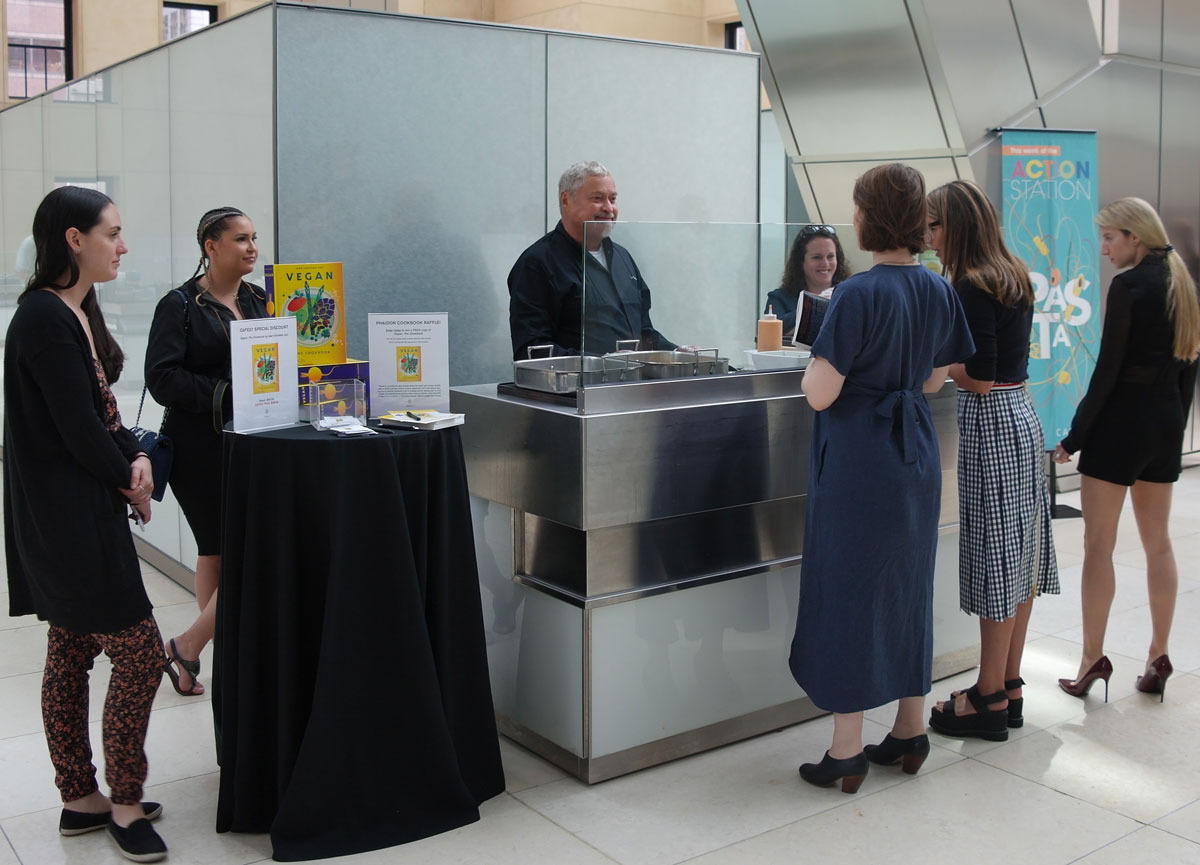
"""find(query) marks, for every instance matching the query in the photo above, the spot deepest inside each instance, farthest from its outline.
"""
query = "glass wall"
(441, 172)
(166, 135)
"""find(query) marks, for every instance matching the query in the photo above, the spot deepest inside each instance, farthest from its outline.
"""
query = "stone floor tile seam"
(554, 822)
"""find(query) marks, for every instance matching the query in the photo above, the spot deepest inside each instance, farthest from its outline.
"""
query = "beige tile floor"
(1083, 782)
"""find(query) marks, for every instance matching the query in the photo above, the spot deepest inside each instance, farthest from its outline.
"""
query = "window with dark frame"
(39, 46)
(180, 19)
(735, 37)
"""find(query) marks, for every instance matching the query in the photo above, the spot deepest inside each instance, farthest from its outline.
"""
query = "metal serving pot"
(674, 364)
(565, 374)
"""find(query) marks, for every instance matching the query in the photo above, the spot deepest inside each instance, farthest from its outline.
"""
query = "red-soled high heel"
(1154, 680)
(1102, 669)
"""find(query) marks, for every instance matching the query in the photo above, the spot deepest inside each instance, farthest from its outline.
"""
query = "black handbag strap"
(187, 327)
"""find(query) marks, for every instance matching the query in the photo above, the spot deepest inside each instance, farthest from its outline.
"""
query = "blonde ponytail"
(1136, 216)
(1183, 308)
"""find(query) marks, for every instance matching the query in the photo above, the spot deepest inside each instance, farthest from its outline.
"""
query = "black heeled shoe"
(1102, 669)
(1016, 705)
(849, 771)
(1154, 680)
(890, 751)
(990, 724)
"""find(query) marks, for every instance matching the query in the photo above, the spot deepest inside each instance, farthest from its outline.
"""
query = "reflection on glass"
(701, 284)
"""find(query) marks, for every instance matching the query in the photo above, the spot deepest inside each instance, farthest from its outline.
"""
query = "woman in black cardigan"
(72, 473)
(187, 370)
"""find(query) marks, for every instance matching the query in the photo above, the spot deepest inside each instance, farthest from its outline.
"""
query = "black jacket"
(546, 300)
(188, 354)
(1136, 347)
(70, 556)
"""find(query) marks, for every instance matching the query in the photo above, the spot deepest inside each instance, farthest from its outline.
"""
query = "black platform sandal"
(1016, 705)
(990, 724)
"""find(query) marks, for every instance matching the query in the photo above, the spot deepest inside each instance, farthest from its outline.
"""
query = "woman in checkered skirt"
(1006, 553)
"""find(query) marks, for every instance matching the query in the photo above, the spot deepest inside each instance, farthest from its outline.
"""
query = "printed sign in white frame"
(264, 378)
(410, 361)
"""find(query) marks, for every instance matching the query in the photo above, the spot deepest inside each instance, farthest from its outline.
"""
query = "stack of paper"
(421, 419)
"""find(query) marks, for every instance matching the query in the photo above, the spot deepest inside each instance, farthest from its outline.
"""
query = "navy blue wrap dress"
(864, 631)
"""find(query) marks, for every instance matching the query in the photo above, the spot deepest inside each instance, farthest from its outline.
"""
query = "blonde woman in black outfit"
(1129, 430)
(71, 474)
(1006, 554)
(187, 371)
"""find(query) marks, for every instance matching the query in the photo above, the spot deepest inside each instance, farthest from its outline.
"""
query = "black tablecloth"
(351, 689)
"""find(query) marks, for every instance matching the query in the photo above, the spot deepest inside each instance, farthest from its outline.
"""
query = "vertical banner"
(1050, 183)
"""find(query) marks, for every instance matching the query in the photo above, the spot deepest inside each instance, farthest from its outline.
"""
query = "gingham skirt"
(1006, 549)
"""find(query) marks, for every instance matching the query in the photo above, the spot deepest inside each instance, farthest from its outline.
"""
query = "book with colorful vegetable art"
(312, 294)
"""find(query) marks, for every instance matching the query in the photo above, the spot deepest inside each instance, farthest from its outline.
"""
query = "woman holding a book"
(816, 263)
(187, 371)
(1006, 551)
(864, 629)
(72, 474)
(1129, 428)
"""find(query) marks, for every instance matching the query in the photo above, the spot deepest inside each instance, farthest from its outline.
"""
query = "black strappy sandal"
(990, 724)
(192, 668)
(1016, 705)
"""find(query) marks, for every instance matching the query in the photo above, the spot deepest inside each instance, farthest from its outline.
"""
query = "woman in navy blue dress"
(864, 631)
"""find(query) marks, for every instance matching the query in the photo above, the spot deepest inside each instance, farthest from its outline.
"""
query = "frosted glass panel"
(679, 661)
(431, 142)
(690, 156)
(221, 151)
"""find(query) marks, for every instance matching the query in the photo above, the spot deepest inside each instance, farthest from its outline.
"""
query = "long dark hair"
(793, 271)
(79, 208)
(973, 248)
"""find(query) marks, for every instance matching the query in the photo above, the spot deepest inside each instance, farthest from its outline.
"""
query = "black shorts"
(1138, 436)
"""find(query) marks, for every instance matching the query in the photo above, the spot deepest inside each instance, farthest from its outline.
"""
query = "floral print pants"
(137, 665)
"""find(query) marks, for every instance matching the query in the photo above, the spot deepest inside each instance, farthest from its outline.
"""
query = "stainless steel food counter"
(639, 559)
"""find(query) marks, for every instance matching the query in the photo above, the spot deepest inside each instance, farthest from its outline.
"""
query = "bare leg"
(1016, 644)
(1152, 510)
(847, 735)
(1101, 502)
(192, 641)
(910, 718)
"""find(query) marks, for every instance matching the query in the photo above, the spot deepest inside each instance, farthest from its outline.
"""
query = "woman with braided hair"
(188, 371)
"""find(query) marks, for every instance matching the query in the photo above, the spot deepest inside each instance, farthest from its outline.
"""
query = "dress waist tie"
(896, 404)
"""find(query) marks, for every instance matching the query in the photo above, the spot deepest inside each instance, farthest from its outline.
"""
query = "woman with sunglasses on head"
(1129, 430)
(1006, 552)
(187, 371)
(72, 471)
(864, 628)
(816, 263)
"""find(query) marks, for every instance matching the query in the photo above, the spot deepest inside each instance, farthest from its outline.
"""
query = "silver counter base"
(640, 565)
(701, 739)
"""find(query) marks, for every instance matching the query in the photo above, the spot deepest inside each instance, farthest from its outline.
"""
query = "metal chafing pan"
(564, 374)
(674, 364)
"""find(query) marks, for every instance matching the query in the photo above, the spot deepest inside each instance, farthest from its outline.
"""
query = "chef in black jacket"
(546, 285)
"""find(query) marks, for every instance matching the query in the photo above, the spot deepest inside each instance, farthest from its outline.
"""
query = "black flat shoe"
(77, 823)
(138, 841)
(849, 771)
(891, 751)
(1016, 705)
(990, 724)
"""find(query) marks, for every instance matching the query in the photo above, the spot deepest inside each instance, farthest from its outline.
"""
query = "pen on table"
(413, 416)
